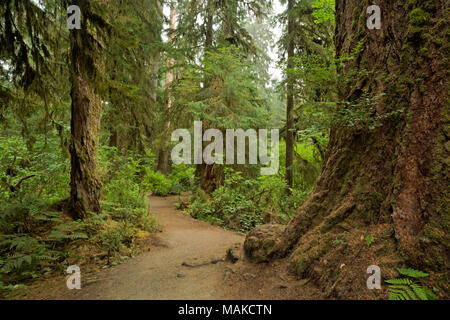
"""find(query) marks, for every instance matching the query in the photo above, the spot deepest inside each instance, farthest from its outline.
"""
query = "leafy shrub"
(42, 172)
(157, 183)
(243, 203)
(179, 180)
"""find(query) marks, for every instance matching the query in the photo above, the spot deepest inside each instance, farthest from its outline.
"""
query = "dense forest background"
(86, 117)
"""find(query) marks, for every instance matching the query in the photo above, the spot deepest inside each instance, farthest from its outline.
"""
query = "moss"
(411, 4)
(337, 216)
(438, 42)
(431, 6)
(371, 207)
(434, 234)
(268, 243)
(418, 17)
(355, 17)
(260, 242)
(302, 260)
(424, 51)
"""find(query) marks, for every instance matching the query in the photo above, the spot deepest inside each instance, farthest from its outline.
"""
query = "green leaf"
(399, 281)
(420, 291)
(27, 259)
(430, 294)
(412, 273)
(369, 240)
(398, 294)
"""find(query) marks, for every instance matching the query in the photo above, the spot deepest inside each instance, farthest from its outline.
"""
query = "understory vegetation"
(243, 202)
(39, 238)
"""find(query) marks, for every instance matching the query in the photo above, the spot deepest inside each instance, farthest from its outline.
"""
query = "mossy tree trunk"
(290, 100)
(163, 156)
(210, 176)
(85, 126)
(396, 174)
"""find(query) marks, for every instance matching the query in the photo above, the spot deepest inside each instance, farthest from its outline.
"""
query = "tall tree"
(132, 69)
(304, 44)
(290, 98)
(86, 59)
(163, 157)
(392, 176)
(228, 18)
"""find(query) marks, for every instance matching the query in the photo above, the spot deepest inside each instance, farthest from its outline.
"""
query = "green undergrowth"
(38, 238)
(242, 203)
(246, 199)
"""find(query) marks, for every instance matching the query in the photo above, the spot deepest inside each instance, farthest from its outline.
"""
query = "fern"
(399, 281)
(369, 240)
(68, 231)
(22, 255)
(412, 273)
(408, 289)
(57, 235)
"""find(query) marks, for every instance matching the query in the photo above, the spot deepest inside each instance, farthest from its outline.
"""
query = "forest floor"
(187, 260)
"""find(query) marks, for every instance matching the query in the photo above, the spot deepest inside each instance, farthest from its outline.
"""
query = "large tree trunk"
(208, 175)
(390, 182)
(290, 100)
(211, 177)
(85, 129)
(163, 157)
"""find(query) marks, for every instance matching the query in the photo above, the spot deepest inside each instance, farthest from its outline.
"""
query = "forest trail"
(159, 273)
(162, 273)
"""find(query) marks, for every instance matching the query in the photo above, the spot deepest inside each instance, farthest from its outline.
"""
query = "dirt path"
(159, 273)
(187, 262)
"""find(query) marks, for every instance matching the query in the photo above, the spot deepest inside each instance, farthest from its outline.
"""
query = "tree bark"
(85, 129)
(394, 177)
(290, 100)
(208, 175)
(211, 175)
(163, 157)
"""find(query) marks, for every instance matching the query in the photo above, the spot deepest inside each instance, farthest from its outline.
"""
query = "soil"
(187, 260)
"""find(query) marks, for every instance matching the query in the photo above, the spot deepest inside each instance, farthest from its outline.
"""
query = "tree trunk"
(113, 138)
(211, 175)
(85, 129)
(290, 100)
(163, 157)
(163, 161)
(209, 26)
(390, 182)
(208, 175)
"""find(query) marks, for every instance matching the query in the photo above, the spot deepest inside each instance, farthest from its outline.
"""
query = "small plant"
(369, 240)
(341, 241)
(409, 287)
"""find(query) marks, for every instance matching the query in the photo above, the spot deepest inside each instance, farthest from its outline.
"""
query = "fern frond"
(430, 294)
(399, 281)
(420, 291)
(404, 288)
(412, 273)
(398, 294)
